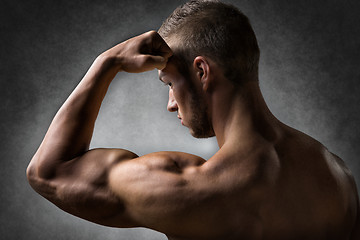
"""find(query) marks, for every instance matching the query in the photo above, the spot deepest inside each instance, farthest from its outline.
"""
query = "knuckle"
(145, 60)
(152, 33)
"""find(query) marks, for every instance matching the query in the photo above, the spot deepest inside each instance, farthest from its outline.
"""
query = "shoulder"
(311, 160)
(320, 178)
(161, 170)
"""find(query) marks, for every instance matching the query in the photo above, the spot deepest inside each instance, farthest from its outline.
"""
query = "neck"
(239, 115)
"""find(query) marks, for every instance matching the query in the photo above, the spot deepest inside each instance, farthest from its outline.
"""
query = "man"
(267, 181)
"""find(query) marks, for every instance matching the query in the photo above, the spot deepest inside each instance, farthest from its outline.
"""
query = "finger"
(161, 47)
(165, 50)
(153, 61)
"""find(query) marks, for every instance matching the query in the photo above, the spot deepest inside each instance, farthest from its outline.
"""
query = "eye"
(168, 84)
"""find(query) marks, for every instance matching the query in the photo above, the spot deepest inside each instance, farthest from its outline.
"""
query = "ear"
(202, 71)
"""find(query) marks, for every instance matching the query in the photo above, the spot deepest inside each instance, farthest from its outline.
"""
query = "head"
(186, 98)
(218, 31)
(213, 32)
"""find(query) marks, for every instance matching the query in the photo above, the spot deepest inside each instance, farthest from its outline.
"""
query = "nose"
(172, 104)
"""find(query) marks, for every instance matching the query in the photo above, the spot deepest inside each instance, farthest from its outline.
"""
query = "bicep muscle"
(80, 187)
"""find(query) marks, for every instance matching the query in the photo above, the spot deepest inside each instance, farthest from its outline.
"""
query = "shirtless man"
(267, 181)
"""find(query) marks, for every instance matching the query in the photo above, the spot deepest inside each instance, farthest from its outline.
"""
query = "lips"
(182, 123)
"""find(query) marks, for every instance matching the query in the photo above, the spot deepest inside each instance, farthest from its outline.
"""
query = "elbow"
(39, 168)
(31, 173)
(41, 185)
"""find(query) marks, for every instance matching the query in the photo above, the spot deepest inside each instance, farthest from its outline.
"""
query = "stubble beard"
(200, 125)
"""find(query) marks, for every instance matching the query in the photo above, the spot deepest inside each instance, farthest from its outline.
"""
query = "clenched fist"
(139, 54)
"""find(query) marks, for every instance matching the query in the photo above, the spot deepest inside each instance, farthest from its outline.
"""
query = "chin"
(201, 133)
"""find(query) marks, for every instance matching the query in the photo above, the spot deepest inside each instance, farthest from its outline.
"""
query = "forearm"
(70, 132)
(63, 170)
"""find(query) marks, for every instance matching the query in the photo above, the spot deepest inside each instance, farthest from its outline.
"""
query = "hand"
(139, 54)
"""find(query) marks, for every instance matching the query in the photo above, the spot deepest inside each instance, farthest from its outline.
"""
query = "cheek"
(183, 100)
(181, 92)
(178, 93)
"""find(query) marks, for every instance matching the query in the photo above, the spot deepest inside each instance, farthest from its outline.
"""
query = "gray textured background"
(309, 76)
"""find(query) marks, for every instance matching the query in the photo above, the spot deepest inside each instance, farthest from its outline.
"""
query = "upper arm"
(80, 186)
(171, 192)
(164, 191)
(117, 188)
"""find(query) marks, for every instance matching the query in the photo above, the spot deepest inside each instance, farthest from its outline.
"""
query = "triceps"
(80, 187)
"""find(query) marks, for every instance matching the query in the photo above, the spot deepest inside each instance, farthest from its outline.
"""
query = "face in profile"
(186, 98)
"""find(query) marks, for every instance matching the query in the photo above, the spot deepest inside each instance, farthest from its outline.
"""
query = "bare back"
(292, 189)
(315, 196)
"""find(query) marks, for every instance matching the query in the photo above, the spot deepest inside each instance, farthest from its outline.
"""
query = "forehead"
(174, 66)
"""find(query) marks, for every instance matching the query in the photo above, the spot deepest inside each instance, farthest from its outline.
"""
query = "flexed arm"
(70, 132)
(62, 169)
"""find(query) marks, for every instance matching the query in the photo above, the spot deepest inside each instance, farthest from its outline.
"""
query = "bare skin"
(267, 181)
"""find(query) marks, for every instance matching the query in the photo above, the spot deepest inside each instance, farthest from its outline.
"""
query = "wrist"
(108, 63)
